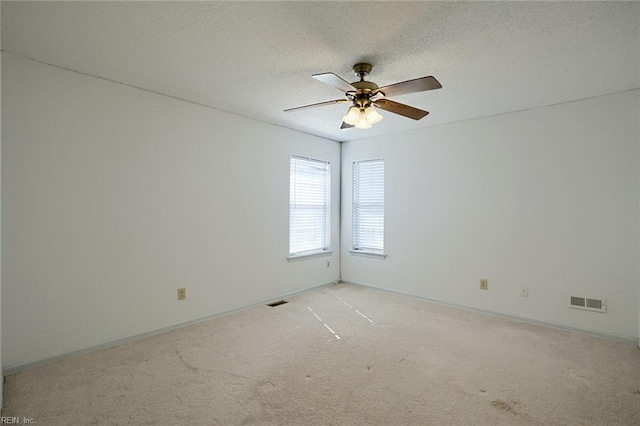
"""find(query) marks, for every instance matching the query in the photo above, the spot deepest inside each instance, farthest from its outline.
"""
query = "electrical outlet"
(182, 293)
(524, 291)
(484, 284)
(328, 264)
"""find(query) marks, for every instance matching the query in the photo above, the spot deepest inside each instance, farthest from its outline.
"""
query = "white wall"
(546, 198)
(113, 198)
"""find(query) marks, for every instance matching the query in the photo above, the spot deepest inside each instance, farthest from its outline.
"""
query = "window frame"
(356, 247)
(325, 248)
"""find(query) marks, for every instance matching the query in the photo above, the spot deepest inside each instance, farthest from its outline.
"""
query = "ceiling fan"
(365, 95)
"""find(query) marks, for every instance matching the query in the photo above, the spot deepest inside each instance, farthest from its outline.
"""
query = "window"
(368, 206)
(308, 206)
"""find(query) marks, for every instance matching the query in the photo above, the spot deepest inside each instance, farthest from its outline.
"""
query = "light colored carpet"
(398, 361)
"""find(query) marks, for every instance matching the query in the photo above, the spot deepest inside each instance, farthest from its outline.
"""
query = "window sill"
(309, 255)
(372, 254)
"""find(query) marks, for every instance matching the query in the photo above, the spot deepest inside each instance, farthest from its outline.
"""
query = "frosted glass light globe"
(363, 123)
(352, 116)
(372, 115)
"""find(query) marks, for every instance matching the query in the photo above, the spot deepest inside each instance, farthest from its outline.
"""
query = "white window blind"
(308, 206)
(368, 205)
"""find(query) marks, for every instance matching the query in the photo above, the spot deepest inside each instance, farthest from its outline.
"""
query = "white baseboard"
(604, 335)
(16, 368)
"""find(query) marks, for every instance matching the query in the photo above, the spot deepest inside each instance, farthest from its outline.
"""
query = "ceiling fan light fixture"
(372, 115)
(363, 123)
(353, 116)
(362, 118)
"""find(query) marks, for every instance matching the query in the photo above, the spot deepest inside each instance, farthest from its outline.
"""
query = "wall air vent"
(587, 303)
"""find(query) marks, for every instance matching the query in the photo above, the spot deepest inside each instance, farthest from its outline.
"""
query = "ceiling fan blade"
(400, 109)
(335, 101)
(334, 81)
(411, 86)
(346, 126)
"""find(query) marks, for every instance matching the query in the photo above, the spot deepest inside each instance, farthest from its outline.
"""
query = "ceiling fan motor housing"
(365, 90)
(364, 86)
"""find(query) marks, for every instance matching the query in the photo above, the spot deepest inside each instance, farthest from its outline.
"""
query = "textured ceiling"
(256, 58)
